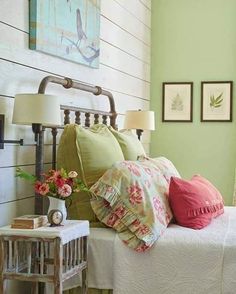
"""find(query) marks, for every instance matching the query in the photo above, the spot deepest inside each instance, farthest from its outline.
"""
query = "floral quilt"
(131, 197)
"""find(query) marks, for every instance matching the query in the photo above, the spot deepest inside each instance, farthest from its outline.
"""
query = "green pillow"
(80, 208)
(129, 143)
(97, 150)
(89, 152)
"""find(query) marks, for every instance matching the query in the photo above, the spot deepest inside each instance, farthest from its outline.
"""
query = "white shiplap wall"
(124, 70)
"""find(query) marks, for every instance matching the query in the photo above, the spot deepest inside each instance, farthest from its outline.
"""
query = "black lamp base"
(139, 133)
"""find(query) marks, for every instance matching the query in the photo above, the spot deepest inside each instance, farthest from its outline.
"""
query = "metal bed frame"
(38, 129)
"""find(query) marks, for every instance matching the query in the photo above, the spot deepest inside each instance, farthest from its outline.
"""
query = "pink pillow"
(194, 203)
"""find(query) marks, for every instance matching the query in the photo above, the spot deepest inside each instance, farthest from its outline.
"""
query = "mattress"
(182, 260)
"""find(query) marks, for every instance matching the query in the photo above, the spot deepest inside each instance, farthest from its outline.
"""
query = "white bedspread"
(183, 261)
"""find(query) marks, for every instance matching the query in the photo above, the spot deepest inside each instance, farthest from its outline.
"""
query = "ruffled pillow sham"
(131, 197)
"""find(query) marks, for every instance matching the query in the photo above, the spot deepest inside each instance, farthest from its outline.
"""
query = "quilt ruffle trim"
(206, 209)
(129, 226)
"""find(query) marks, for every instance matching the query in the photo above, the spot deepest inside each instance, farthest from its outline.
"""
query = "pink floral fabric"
(131, 197)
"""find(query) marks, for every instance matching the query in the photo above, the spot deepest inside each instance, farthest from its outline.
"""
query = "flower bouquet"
(56, 183)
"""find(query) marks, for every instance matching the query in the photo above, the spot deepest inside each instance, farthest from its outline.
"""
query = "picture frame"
(177, 101)
(216, 101)
(66, 29)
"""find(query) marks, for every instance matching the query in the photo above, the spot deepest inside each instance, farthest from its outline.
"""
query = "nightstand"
(46, 254)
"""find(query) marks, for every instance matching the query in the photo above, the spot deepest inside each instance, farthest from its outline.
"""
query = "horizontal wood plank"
(16, 155)
(120, 60)
(132, 45)
(16, 208)
(127, 21)
(123, 40)
(146, 3)
(19, 188)
(136, 8)
(105, 77)
(8, 13)
(110, 56)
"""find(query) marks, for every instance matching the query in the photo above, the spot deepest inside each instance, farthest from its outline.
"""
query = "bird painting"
(67, 28)
(88, 51)
(80, 32)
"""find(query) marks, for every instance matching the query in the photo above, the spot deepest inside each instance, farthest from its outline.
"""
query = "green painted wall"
(195, 40)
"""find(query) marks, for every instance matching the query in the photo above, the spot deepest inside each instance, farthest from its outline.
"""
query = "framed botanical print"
(177, 102)
(216, 101)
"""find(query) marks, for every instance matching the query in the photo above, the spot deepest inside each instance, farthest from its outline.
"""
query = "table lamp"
(139, 120)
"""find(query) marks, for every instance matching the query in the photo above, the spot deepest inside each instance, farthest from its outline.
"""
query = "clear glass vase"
(56, 203)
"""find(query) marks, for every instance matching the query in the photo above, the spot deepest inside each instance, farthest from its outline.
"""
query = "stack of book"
(29, 221)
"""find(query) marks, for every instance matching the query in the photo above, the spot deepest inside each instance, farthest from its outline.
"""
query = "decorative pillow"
(166, 167)
(194, 203)
(90, 152)
(131, 198)
(97, 151)
(129, 143)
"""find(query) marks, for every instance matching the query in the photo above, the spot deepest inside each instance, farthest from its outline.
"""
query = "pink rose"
(120, 211)
(43, 189)
(133, 168)
(136, 223)
(135, 194)
(60, 182)
(142, 248)
(143, 229)
(112, 220)
(37, 185)
(65, 190)
(52, 175)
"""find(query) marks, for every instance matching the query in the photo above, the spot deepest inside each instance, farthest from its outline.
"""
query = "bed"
(182, 260)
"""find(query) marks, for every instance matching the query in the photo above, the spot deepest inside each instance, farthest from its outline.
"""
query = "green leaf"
(218, 102)
(218, 98)
(24, 175)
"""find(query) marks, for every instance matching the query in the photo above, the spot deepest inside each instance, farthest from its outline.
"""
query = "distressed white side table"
(47, 254)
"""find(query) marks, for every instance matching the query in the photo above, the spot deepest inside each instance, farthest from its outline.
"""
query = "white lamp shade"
(139, 119)
(36, 108)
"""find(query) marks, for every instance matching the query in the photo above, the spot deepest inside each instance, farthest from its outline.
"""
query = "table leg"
(34, 288)
(2, 267)
(84, 287)
(58, 256)
(85, 271)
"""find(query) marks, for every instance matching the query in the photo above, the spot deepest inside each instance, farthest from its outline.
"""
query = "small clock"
(55, 217)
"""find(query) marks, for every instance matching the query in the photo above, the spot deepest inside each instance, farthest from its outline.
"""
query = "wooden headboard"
(91, 116)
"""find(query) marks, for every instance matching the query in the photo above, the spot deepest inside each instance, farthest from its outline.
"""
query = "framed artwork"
(177, 102)
(68, 29)
(216, 101)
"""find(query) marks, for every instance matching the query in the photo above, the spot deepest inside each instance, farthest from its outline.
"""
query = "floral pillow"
(131, 198)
